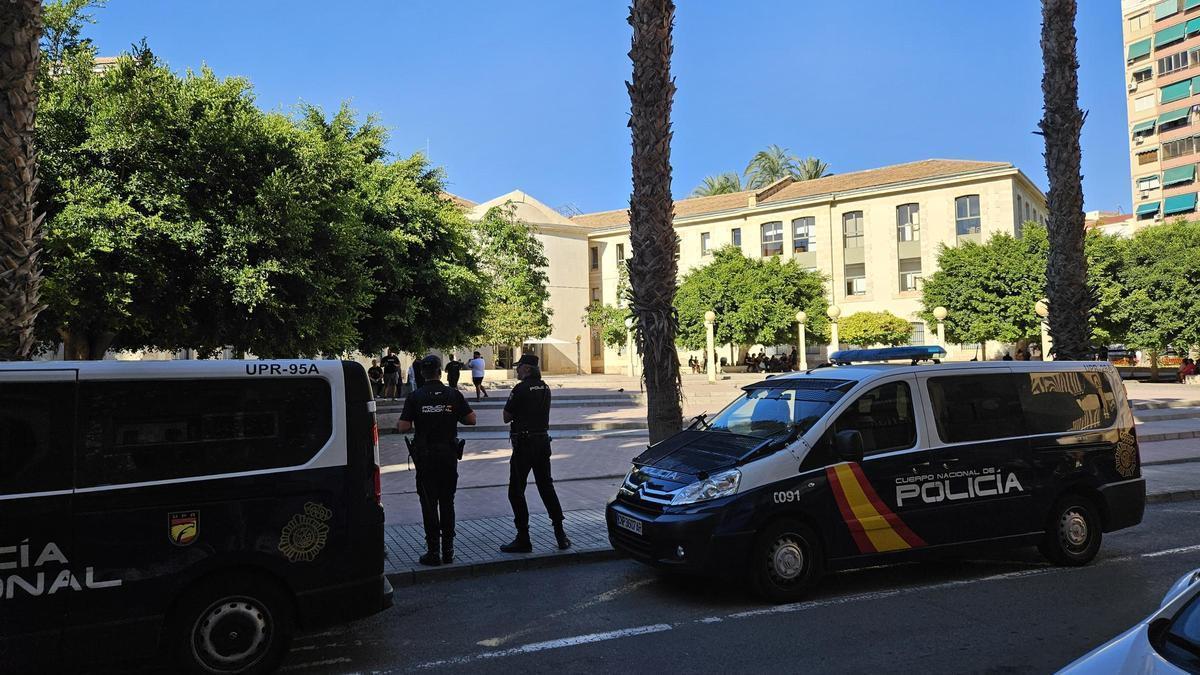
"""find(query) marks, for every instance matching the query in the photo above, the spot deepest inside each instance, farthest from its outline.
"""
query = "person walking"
(375, 375)
(435, 411)
(415, 380)
(477, 367)
(453, 368)
(528, 411)
(391, 373)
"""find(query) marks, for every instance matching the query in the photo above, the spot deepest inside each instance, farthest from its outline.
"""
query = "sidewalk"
(478, 541)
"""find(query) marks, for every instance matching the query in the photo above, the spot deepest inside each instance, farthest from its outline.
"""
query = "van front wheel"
(1073, 532)
(233, 624)
(787, 561)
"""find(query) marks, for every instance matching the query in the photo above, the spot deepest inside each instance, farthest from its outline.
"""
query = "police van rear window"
(151, 430)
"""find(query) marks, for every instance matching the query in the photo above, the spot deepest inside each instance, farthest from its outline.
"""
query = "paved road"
(1004, 612)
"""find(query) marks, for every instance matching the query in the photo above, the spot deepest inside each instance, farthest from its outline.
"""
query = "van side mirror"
(848, 445)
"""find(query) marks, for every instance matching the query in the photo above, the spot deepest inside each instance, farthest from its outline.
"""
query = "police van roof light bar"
(914, 354)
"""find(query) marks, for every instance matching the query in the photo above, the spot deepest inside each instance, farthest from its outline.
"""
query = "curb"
(466, 433)
(1176, 496)
(1167, 436)
(529, 561)
(1163, 405)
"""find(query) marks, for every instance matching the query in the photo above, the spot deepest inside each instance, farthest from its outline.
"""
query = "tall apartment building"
(1162, 69)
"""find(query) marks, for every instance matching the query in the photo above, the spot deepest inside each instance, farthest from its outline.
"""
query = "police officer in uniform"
(435, 411)
(528, 410)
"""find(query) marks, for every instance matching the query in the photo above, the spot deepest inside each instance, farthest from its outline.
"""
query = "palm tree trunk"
(1066, 271)
(20, 230)
(652, 269)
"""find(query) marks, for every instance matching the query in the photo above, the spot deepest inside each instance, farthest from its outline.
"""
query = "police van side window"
(884, 418)
(149, 430)
(35, 436)
(976, 407)
(1066, 401)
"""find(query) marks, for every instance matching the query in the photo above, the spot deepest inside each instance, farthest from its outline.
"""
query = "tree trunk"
(1066, 271)
(85, 346)
(20, 229)
(652, 269)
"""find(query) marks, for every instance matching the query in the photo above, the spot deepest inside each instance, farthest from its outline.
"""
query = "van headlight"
(717, 485)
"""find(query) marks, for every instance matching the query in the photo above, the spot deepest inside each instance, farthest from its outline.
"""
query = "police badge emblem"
(305, 535)
(1126, 455)
(183, 527)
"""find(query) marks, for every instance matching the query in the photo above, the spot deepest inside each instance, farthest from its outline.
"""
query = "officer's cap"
(431, 362)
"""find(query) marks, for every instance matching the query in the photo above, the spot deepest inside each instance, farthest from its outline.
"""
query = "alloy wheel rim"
(231, 634)
(1073, 529)
(787, 559)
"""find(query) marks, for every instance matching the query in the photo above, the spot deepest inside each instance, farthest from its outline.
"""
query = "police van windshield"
(772, 408)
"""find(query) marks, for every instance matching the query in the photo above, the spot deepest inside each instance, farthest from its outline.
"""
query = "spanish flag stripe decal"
(856, 531)
(874, 527)
(901, 529)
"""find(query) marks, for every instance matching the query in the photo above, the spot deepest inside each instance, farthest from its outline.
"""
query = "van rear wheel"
(239, 623)
(1073, 532)
(787, 561)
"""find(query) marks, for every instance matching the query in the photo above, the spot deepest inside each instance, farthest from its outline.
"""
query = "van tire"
(254, 614)
(1073, 531)
(787, 561)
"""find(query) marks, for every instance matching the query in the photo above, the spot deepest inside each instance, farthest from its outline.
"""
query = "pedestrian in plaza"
(434, 411)
(391, 373)
(1035, 353)
(1021, 355)
(1186, 369)
(1006, 357)
(453, 368)
(375, 375)
(415, 379)
(528, 411)
(477, 367)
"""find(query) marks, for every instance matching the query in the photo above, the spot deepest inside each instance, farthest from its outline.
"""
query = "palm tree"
(1066, 269)
(20, 230)
(770, 165)
(720, 184)
(653, 267)
(810, 168)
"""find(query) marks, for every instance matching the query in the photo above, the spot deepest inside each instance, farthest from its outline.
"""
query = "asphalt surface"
(1005, 611)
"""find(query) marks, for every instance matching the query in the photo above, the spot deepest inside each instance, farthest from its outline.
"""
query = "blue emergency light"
(911, 353)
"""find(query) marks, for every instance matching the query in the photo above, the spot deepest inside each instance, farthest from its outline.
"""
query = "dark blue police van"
(196, 510)
(871, 462)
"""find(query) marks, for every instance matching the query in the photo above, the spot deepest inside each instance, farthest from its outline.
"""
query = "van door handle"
(918, 465)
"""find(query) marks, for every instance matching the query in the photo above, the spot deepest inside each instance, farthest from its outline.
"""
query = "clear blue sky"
(531, 95)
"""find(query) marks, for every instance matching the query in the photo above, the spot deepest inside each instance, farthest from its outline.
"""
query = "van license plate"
(631, 524)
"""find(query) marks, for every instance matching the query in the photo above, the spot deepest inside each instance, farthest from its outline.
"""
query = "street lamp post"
(801, 317)
(940, 314)
(578, 355)
(833, 313)
(629, 342)
(1042, 309)
(710, 353)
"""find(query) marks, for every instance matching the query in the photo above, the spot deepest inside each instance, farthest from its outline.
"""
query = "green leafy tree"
(1161, 277)
(609, 322)
(518, 296)
(720, 184)
(755, 300)
(874, 328)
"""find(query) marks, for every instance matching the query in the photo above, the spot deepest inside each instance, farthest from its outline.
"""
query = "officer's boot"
(447, 550)
(431, 556)
(561, 535)
(519, 545)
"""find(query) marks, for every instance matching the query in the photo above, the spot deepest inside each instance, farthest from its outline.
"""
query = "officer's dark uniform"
(435, 411)
(529, 407)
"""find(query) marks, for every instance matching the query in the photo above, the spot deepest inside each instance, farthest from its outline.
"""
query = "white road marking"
(316, 664)
(552, 644)
(1170, 551)
(603, 597)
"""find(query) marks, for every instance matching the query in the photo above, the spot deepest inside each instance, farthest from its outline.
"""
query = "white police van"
(868, 462)
(197, 510)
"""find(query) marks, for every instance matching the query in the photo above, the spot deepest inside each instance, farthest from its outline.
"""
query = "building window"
(736, 236)
(908, 222)
(852, 229)
(1150, 182)
(620, 252)
(1172, 63)
(917, 336)
(1146, 74)
(856, 279)
(705, 243)
(1139, 22)
(966, 214)
(1193, 56)
(1177, 148)
(1143, 103)
(804, 232)
(595, 257)
(595, 294)
(1148, 157)
(597, 345)
(910, 272)
(772, 238)
(1026, 210)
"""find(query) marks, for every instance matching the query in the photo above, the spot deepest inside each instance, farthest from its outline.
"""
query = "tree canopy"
(720, 184)
(180, 215)
(517, 306)
(1160, 295)
(755, 300)
(874, 328)
(766, 167)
